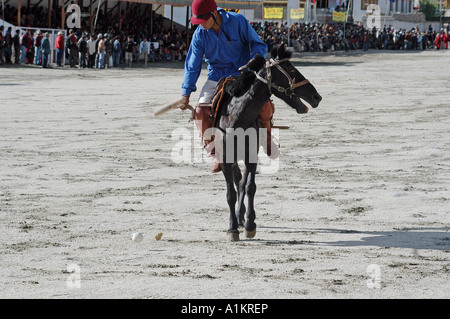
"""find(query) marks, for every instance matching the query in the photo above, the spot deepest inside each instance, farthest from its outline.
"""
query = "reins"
(289, 91)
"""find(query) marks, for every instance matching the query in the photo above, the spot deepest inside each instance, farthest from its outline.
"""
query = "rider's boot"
(201, 116)
(265, 118)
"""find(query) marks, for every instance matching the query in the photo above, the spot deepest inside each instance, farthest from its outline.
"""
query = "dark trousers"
(59, 57)
(73, 57)
(91, 61)
(45, 60)
(17, 55)
(8, 54)
(82, 60)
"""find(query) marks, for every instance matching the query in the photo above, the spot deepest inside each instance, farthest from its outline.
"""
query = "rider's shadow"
(413, 238)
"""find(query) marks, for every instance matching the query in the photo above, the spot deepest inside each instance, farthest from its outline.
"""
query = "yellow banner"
(273, 13)
(338, 16)
(298, 13)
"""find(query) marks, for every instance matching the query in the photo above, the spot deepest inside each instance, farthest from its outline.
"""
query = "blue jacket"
(236, 43)
(116, 46)
(45, 46)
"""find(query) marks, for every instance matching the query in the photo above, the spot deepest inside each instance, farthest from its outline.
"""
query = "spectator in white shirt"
(91, 51)
(144, 50)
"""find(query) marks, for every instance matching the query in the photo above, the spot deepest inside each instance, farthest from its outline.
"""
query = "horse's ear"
(254, 64)
(284, 52)
(274, 52)
(281, 51)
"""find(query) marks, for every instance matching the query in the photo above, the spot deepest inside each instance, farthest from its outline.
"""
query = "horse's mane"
(246, 78)
(242, 83)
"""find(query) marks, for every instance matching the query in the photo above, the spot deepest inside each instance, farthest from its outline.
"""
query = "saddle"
(218, 107)
(220, 100)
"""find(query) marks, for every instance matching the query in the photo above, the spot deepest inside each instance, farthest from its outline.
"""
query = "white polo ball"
(137, 237)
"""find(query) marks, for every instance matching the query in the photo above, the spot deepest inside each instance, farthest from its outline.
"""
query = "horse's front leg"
(233, 233)
(240, 180)
(250, 189)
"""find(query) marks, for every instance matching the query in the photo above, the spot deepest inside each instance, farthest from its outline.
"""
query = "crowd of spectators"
(315, 37)
(33, 16)
(120, 40)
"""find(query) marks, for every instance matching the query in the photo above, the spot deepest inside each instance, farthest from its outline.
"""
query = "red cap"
(202, 10)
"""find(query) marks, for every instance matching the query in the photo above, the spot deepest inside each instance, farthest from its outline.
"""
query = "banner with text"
(298, 13)
(339, 16)
(273, 13)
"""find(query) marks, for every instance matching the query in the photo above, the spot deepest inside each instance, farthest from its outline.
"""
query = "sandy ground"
(357, 207)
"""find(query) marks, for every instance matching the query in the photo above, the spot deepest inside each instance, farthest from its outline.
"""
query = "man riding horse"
(228, 42)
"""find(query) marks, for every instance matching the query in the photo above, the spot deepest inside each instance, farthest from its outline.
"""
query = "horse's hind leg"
(240, 180)
(250, 189)
(233, 233)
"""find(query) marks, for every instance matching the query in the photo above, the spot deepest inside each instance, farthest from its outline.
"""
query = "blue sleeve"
(257, 46)
(193, 65)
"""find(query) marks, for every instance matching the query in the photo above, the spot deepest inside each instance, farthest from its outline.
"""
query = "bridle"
(289, 91)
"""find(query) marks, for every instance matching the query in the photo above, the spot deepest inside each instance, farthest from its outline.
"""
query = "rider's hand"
(186, 103)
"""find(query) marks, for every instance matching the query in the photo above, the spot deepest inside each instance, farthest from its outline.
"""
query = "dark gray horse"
(237, 134)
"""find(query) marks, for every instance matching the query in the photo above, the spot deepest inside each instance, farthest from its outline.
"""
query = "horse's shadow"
(423, 238)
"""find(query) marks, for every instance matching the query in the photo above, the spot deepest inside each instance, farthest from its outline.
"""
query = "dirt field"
(357, 206)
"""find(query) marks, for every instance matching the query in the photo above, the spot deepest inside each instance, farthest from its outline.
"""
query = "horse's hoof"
(250, 233)
(233, 236)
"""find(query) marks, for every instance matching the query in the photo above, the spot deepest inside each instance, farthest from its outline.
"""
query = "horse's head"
(287, 83)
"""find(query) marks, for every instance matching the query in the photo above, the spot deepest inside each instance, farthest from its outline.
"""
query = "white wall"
(400, 6)
(179, 14)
